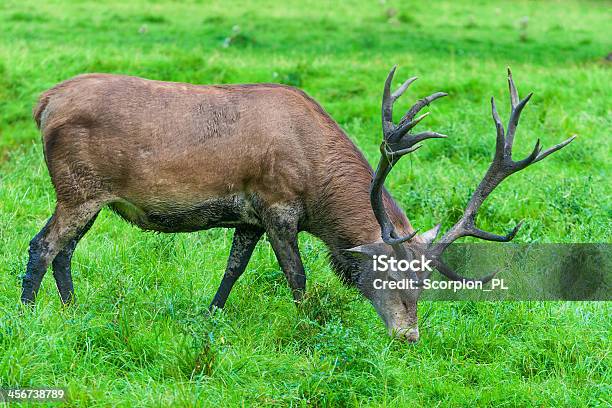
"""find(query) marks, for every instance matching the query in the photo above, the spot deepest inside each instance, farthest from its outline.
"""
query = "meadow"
(140, 334)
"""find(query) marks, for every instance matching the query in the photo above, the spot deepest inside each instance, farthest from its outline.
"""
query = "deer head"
(398, 307)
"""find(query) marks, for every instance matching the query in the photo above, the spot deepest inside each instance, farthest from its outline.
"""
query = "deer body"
(260, 158)
(176, 157)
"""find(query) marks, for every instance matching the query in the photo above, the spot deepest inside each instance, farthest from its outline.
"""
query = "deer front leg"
(243, 244)
(282, 230)
(288, 256)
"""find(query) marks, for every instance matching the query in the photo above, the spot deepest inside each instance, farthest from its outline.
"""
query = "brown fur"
(162, 145)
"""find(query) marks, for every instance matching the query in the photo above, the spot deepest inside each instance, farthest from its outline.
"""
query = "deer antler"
(501, 167)
(397, 142)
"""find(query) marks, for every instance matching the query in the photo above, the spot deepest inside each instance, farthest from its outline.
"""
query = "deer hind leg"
(244, 242)
(62, 265)
(282, 230)
(63, 227)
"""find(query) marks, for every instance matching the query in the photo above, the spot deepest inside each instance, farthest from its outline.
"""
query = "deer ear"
(431, 235)
(368, 250)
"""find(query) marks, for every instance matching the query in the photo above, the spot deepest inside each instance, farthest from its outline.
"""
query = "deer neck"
(344, 217)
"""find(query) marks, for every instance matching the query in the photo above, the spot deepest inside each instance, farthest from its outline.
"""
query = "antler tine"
(500, 141)
(421, 103)
(501, 167)
(405, 127)
(400, 91)
(553, 149)
(393, 156)
(514, 98)
(487, 236)
(514, 119)
(387, 105)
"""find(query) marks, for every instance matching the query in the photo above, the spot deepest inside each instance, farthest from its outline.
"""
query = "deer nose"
(412, 335)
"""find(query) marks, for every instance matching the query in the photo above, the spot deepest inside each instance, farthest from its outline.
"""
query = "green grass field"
(140, 334)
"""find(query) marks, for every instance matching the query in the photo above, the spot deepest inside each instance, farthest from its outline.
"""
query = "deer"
(257, 158)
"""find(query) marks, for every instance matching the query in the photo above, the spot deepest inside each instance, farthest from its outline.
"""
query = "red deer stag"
(175, 157)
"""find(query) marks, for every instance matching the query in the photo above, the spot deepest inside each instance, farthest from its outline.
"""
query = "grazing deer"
(175, 157)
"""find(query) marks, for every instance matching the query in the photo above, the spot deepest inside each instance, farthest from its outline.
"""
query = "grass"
(140, 334)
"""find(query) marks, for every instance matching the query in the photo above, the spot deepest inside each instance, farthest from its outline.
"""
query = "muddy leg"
(61, 228)
(245, 240)
(282, 230)
(62, 265)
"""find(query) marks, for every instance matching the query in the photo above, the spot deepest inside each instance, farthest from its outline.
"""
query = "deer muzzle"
(410, 334)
